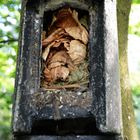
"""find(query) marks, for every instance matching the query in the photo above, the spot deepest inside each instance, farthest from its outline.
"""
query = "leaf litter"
(65, 52)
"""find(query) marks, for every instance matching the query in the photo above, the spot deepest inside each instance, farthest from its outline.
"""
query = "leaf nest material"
(64, 50)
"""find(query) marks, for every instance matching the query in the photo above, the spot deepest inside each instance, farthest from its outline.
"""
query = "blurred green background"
(134, 57)
(9, 29)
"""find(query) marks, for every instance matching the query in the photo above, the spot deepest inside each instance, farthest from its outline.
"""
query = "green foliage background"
(133, 43)
(9, 29)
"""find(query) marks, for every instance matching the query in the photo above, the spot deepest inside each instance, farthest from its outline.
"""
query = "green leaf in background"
(9, 28)
(134, 57)
(136, 1)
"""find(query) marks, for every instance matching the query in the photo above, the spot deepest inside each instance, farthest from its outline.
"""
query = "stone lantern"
(93, 113)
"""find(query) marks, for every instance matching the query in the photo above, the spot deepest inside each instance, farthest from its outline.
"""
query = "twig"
(65, 86)
(9, 40)
(62, 87)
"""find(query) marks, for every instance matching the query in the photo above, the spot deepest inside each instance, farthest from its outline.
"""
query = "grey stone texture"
(98, 109)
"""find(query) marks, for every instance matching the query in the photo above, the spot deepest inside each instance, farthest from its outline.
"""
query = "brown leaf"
(65, 42)
(68, 20)
(57, 73)
(46, 52)
(60, 58)
(47, 75)
(60, 73)
(51, 54)
(77, 51)
(64, 19)
(60, 52)
(55, 35)
(56, 43)
(43, 35)
(79, 33)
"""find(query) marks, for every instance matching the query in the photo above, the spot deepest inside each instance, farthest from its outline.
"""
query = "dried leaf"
(51, 54)
(60, 73)
(64, 19)
(55, 35)
(46, 52)
(79, 33)
(43, 35)
(82, 33)
(47, 49)
(57, 73)
(55, 64)
(65, 42)
(62, 53)
(56, 43)
(47, 75)
(68, 20)
(77, 51)
(60, 58)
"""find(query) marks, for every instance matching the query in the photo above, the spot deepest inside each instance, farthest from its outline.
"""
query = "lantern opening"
(65, 49)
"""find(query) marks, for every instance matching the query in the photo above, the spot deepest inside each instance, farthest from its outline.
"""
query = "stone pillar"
(93, 114)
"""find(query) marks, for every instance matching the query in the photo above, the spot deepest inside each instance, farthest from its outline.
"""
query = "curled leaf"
(79, 33)
(60, 73)
(60, 58)
(55, 35)
(64, 19)
(55, 44)
(46, 52)
(68, 20)
(77, 51)
(47, 75)
(57, 73)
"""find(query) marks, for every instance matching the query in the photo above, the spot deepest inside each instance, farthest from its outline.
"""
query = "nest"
(65, 52)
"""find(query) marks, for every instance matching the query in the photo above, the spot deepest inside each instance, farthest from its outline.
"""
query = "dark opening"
(80, 126)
